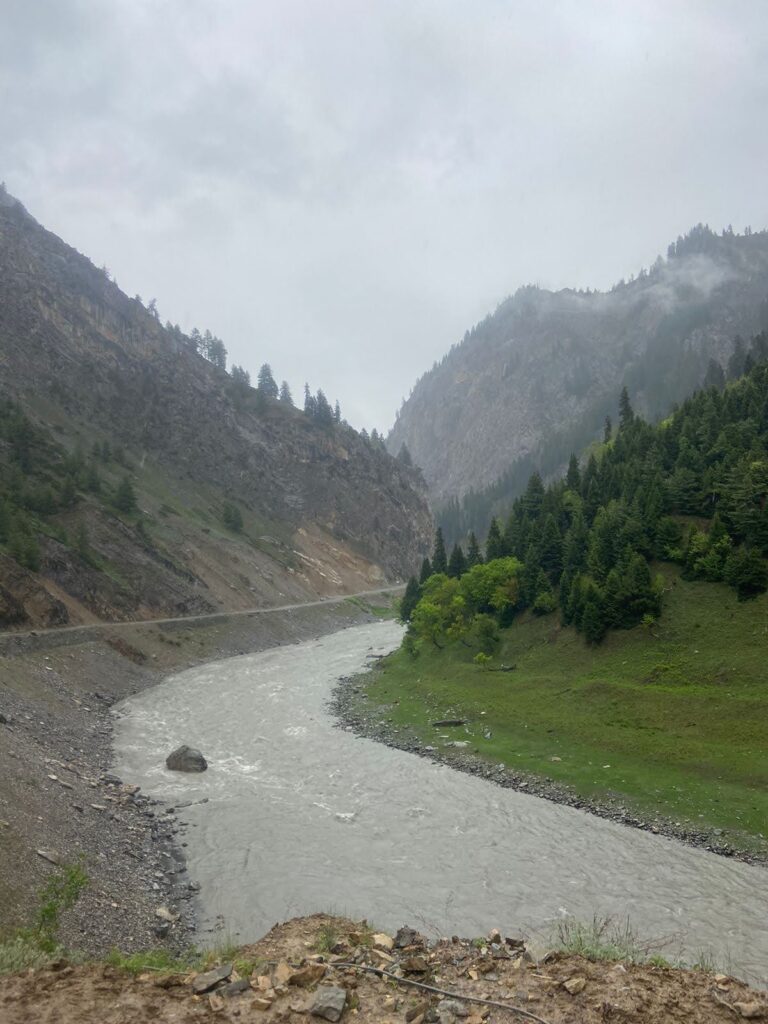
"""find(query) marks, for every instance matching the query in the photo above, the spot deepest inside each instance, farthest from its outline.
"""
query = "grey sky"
(342, 187)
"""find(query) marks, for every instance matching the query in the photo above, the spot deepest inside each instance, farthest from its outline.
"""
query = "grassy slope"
(680, 716)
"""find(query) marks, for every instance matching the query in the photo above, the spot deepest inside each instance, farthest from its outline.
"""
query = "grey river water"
(303, 816)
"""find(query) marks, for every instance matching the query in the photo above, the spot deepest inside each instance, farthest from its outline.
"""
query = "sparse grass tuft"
(23, 952)
(161, 960)
(327, 937)
(605, 939)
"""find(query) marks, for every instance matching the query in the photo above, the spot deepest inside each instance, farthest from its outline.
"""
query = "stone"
(52, 856)
(417, 1011)
(166, 914)
(235, 988)
(307, 976)
(451, 1008)
(414, 965)
(753, 1010)
(407, 937)
(383, 941)
(282, 973)
(445, 722)
(494, 936)
(206, 981)
(329, 1003)
(575, 985)
(186, 759)
(260, 1003)
(216, 1001)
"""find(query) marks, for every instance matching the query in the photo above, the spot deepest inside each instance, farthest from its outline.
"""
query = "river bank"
(355, 704)
(332, 968)
(61, 804)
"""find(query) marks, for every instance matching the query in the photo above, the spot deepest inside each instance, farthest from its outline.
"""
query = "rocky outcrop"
(535, 379)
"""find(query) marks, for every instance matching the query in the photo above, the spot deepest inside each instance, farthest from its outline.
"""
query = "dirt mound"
(311, 963)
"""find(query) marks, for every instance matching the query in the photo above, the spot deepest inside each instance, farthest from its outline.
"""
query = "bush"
(232, 517)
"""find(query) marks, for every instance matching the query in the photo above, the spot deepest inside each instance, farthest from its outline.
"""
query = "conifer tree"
(494, 547)
(125, 496)
(626, 414)
(409, 599)
(607, 430)
(266, 382)
(439, 558)
(474, 557)
(285, 393)
(457, 563)
(426, 571)
(573, 476)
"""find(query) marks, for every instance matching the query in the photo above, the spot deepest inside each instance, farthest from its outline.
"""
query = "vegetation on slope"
(656, 549)
(672, 720)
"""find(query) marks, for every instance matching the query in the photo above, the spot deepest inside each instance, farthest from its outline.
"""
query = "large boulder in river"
(186, 759)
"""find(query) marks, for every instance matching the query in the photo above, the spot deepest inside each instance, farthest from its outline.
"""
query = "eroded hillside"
(97, 392)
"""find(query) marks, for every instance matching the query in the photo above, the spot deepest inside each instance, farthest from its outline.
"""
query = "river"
(303, 816)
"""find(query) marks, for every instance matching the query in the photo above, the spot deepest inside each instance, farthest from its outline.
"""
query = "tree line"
(691, 490)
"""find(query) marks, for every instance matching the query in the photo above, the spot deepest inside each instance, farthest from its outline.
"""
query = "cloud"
(342, 188)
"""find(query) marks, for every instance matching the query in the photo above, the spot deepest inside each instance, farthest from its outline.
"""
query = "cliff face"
(324, 510)
(537, 378)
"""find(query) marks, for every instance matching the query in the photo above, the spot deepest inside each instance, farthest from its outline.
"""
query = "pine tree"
(323, 412)
(337, 412)
(573, 476)
(439, 558)
(457, 563)
(592, 622)
(607, 430)
(125, 496)
(494, 546)
(266, 382)
(310, 403)
(409, 599)
(474, 557)
(626, 415)
(426, 571)
(285, 393)
(404, 455)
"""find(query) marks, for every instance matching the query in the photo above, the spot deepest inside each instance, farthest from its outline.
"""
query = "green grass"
(671, 721)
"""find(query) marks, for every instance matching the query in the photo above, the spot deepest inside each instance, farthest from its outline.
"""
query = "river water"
(302, 816)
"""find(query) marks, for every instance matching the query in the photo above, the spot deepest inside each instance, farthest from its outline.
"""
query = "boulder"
(205, 982)
(186, 759)
(329, 1003)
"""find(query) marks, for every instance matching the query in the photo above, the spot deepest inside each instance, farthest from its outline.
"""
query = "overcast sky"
(342, 187)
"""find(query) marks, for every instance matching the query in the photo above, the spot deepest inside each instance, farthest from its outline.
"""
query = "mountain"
(138, 478)
(534, 381)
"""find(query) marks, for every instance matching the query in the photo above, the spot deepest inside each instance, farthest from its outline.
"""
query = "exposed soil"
(355, 708)
(58, 800)
(285, 976)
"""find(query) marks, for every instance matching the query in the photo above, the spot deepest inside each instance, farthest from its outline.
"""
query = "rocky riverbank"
(355, 708)
(59, 802)
(323, 968)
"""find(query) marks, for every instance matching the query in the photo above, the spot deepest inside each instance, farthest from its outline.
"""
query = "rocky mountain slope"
(97, 396)
(535, 380)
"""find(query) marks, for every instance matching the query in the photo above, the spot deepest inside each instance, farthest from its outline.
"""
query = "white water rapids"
(303, 816)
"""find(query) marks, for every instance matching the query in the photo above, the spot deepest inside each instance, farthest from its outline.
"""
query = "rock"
(216, 1001)
(329, 1003)
(417, 1011)
(166, 914)
(444, 722)
(186, 759)
(414, 965)
(307, 976)
(383, 941)
(494, 937)
(752, 1010)
(206, 981)
(52, 856)
(282, 973)
(235, 988)
(450, 1009)
(260, 1003)
(575, 985)
(408, 937)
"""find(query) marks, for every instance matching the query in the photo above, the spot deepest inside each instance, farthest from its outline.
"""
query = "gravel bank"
(59, 801)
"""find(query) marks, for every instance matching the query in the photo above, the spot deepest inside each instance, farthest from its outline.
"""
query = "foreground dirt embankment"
(324, 968)
(59, 804)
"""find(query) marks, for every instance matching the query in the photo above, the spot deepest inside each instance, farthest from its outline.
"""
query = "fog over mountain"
(340, 189)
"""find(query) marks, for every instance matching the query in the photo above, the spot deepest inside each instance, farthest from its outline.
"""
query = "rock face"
(325, 509)
(186, 759)
(535, 380)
